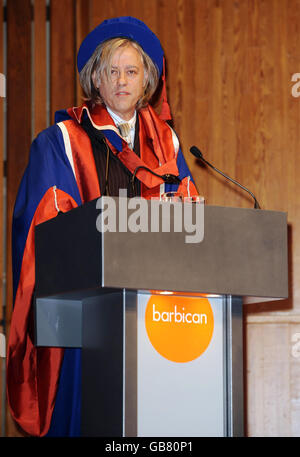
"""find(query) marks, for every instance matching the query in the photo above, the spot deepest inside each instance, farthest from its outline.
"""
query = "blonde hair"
(100, 64)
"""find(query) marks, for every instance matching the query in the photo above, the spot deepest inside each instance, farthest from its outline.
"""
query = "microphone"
(197, 153)
(167, 178)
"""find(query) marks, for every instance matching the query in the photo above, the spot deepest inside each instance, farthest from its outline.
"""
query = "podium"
(159, 319)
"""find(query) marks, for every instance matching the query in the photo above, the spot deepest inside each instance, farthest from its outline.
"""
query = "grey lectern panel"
(58, 322)
(102, 365)
(109, 364)
(243, 253)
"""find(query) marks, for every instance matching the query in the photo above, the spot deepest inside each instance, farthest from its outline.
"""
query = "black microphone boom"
(197, 153)
(167, 178)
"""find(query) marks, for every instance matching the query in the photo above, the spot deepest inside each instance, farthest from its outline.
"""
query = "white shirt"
(118, 120)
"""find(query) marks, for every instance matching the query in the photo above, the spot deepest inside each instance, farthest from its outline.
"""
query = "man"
(87, 153)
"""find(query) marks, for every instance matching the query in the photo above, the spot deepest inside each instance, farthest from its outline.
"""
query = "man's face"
(122, 90)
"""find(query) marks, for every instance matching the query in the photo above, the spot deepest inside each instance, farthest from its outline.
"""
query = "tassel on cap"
(165, 113)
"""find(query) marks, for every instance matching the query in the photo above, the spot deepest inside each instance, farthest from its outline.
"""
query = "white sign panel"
(180, 366)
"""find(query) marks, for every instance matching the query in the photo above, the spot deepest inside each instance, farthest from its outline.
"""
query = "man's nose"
(122, 78)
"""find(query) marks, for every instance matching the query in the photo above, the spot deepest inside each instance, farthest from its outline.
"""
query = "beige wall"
(230, 65)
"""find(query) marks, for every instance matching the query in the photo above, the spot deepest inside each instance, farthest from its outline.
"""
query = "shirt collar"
(118, 120)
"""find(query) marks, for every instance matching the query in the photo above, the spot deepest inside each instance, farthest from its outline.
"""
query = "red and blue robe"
(44, 384)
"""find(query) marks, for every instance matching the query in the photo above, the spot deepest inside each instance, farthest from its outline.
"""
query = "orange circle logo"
(179, 328)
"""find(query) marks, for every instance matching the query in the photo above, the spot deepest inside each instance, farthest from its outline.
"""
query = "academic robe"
(43, 384)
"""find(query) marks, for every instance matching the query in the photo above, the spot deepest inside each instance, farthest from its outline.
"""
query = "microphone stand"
(197, 153)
